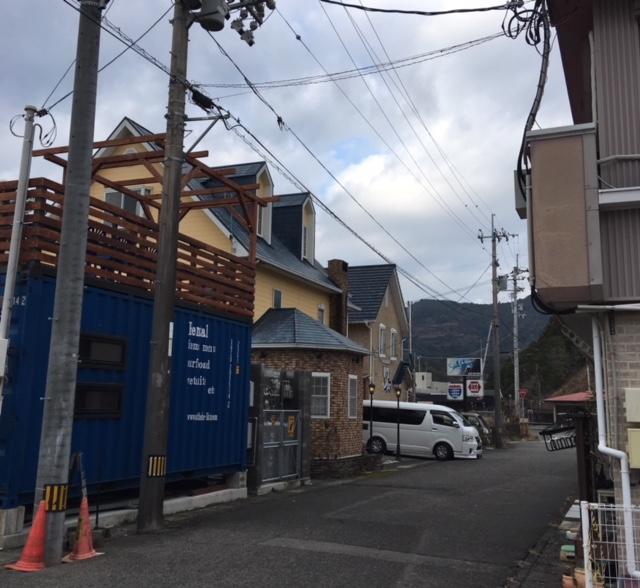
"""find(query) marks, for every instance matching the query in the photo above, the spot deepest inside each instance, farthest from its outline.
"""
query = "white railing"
(605, 552)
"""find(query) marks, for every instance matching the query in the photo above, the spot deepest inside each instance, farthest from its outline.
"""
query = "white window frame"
(264, 222)
(352, 404)
(382, 340)
(274, 298)
(142, 191)
(394, 339)
(321, 313)
(326, 376)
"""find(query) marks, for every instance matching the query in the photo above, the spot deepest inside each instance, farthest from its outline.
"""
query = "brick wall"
(621, 347)
(337, 436)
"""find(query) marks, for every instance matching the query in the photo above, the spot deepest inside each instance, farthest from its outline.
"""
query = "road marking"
(379, 554)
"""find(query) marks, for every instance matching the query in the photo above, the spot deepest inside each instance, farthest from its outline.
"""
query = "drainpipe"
(615, 453)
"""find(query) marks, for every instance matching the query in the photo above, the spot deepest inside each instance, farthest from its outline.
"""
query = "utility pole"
(496, 237)
(518, 403)
(516, 345)
(59, 397)
(153, 470)
(16, 238)
(156, 427)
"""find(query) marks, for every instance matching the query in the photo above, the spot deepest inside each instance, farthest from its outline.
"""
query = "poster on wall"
(463, 366)
(455, 392)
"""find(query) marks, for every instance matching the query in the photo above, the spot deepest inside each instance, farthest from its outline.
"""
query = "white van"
(425, 430)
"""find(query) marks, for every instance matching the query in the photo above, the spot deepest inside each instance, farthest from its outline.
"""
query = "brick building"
(288, 339)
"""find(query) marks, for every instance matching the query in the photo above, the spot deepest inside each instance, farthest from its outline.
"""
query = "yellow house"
(380, 324)
(288, 275)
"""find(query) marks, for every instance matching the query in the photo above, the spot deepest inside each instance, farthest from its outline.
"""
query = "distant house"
(380, 324)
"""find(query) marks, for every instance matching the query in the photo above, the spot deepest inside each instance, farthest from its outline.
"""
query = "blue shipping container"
(209, 396)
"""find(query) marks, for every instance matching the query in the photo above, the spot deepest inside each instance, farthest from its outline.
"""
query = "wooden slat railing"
(122, 249)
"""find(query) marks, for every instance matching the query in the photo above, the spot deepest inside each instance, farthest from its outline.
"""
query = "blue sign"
(454, 392)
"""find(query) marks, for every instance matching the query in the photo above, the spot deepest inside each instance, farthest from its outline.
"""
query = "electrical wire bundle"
(534, 23)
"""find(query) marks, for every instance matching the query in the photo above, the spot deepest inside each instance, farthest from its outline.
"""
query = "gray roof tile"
(367, 285)
(291, 328)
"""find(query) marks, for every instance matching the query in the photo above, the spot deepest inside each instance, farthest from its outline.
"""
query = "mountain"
(451, 329)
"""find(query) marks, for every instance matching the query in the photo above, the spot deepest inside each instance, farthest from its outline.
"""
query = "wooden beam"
(159, 137)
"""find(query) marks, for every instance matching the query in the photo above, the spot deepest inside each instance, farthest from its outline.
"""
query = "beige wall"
(295, 294)
(388, 315)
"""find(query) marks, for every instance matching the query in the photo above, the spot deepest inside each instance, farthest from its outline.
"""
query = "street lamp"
(398, 391)
(372, 391)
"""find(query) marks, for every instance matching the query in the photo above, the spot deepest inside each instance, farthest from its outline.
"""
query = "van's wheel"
(376, 445)
(443, 452)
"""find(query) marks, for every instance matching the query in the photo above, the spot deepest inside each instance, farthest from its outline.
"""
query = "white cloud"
(474, 102)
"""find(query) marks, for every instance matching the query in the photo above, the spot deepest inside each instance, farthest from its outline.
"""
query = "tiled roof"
(367, 285)
(291, 199)
(277, 254)
(290, 328)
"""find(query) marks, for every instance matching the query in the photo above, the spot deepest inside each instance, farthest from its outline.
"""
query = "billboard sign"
(463, 366)
(475, 389)
(455, 392)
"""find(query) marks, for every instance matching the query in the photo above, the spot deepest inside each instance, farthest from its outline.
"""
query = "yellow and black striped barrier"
(157, 466)
(55, 497)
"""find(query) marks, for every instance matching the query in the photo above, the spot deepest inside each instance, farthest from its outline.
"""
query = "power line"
(443, 204)
(366, 70)
(131, 44)
(373, 57)
(517, 3)
(283, 125)
(434, 192)
(264, 152)
(117, 33)
(418, 115)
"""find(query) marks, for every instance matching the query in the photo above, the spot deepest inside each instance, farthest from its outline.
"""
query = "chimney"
(337, 271)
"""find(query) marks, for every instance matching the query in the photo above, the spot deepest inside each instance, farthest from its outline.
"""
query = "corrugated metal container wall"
(617, 61)
(210, 388)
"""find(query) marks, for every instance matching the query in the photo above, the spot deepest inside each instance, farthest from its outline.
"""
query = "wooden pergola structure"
(122, 246)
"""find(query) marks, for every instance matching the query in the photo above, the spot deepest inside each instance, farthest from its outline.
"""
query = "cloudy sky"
(384, 146)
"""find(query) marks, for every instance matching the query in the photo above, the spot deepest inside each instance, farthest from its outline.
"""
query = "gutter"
(632, 568)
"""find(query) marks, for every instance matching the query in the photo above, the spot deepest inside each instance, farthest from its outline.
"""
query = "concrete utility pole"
(156, 428)
(59, 397)
(211, 17)
(518, 404)
(496, 237)
(16, 238)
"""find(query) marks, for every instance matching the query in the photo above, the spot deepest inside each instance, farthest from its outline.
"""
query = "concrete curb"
(115, 518)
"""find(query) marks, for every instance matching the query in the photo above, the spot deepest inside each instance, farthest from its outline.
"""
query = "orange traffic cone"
(32, 559)
(83, 548)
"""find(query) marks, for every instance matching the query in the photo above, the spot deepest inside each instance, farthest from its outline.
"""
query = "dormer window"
(308, 232)
(265, 212)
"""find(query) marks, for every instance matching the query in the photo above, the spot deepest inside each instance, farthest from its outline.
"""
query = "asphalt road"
(429, 524)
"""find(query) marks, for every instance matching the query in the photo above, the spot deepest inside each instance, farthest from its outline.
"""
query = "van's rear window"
(391, 415)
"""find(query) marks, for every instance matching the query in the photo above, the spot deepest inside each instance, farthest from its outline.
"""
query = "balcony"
(122, 251)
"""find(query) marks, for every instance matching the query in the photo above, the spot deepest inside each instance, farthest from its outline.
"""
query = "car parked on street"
(425, 430)
(474, 419)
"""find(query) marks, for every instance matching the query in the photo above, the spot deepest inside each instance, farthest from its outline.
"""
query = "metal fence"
(608, 558)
